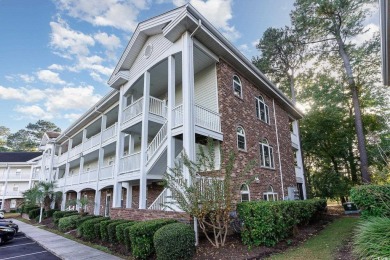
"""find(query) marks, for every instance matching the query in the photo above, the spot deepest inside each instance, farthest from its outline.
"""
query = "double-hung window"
(262, 110)
(244, 191)
(270, 195)
(266, 155)
(241, 142)
(237, 88)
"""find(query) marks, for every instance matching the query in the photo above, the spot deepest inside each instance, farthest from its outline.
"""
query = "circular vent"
(148, 50)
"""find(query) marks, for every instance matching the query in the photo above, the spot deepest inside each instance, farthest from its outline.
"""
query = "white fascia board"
(28, 163)
(119, 79)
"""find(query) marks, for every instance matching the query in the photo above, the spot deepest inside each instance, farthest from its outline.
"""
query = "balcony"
(130, 163)
(19, 177)
(13, 193)
(92, 142)
(107, 172)
(204, 118)
(72, 180)
(109, 134)
(89, 176)
(75, 151)
(132, 113)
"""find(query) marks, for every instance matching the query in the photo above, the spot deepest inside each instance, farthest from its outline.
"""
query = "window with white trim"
(237, 87)
(262, 110)
(18, 171)
(270, 195)
(241, 142)
(266, 155)
(244, 191)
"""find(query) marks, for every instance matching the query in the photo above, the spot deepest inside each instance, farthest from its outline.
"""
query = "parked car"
(1, 214)
(6, 234)
(9, 224)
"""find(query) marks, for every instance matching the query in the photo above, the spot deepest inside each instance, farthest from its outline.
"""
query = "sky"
(56, 55)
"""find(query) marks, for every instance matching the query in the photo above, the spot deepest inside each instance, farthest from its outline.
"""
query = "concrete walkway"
(61, 246)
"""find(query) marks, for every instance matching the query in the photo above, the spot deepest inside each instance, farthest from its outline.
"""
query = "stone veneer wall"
(236, 111)
(145, 214)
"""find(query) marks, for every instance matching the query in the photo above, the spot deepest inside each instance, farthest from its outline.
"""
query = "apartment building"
(178, 82)
(18, 173)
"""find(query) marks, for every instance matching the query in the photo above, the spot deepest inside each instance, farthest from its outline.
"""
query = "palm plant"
(42, 192)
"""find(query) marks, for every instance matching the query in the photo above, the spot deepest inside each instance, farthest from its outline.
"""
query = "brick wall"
(236, 111)
(144, 214)
(7, 204)
(153, 190)
(91, 198)
(104, 193)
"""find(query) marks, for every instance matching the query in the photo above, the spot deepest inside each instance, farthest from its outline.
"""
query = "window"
(266, 155)
(270, 195)
(15, 188)
(13, 204)
(241, 143)
(262, 111)
(295, 152)
(237, 86)
(244, 191)
(18, 171)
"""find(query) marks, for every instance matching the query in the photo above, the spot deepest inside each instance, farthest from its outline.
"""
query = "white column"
(31, 175)
(144, 142)
(52, 155)
(63, 201)
(78, 196)
(104, 122)
(188, 100)
(5, 187)
(119, 151)
(98, 195)
(81, 170)
(170, 116)
(67, 165)
(131, 143)
(129, 196)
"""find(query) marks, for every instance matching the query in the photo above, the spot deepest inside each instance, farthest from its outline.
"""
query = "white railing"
(72, 179)
(92, 142)
(106, 172)
(61, 182)
(12, 193)
(178, 116)
(75, 150)
(109, 132)
(88, 176)
(62, 158)
(157, 107)
(21, 176)
(207, 118)
(130, 163)
(203, 182)
(160, 137)
(160, 201)
(133, 110)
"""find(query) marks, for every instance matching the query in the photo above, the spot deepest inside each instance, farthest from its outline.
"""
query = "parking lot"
(22, 247)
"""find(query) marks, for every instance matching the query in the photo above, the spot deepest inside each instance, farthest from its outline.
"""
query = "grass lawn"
(11, 215)
(324, 245)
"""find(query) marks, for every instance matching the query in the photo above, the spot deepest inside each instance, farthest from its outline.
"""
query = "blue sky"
(56, 56)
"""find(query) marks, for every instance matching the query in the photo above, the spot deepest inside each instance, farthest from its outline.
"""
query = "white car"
(1, 214)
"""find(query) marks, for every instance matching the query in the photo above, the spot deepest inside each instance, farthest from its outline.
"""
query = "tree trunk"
(358, 116)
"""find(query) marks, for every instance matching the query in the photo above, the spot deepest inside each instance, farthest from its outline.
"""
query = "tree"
(4, 133)
(335, 23)
(42, 192)
(208, 199)
(282, 52)
(28, 139)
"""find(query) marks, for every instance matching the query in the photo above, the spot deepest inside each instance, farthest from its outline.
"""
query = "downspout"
(277, 142)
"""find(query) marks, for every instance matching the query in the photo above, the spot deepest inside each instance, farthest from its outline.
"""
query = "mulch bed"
(234, 249)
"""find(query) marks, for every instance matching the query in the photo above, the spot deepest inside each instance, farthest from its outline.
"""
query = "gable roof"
(18, 156)
(52, 134)
(186, 18)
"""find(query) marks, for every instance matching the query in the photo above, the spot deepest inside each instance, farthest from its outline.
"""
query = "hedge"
(266, 223)
(59, 214)
(174, 241)
(50, 212)
(32, 214)
(141, 236)
(87, 229)
(26, 209)
(111, 229)
(68, 223)
(372, 200)
(85, 218)
(120, 231)
(104, 228)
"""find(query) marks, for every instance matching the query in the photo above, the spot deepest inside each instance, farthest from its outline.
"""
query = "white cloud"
(111, 42)
(33, 112)
(23, 94)
(66, 41)
(72, 116)
(370, 30)
(56, 67)
(115, 13)
(92, 63)
(27, 78)
(218, 12)
(96, 77)
(49, 76)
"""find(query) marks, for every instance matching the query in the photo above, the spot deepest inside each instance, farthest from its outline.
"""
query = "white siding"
(206, 88)
(178, 94)
(160, 45)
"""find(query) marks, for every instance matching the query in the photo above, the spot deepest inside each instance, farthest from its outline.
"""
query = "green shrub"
(120, 231)
(49, 213)
(372, 239)
(87, 229)
(141, 236)
(111, 229)
(372, 200)
(26, 209)
(59, 214)
(68, 223)
(84, 218)
(104, 228)
(32, 214)
(266, 223)
(174, 241)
